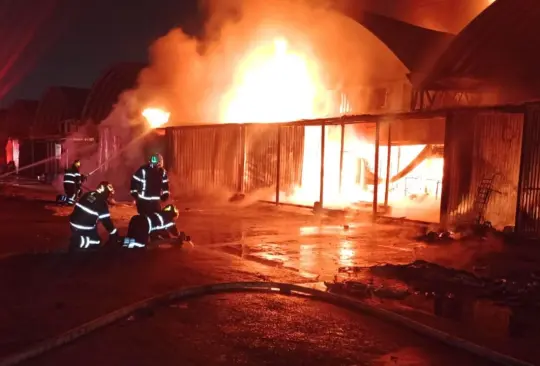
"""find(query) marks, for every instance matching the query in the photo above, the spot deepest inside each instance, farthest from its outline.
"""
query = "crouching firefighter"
(141, 228)
(91, 208)
(73, 180)
(149, 185)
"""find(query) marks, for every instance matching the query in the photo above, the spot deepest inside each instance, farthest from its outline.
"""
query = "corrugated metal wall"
(204, 158)
(479, 145)
(528, 212)
(261, 156)
(235, 158)
(292, 155)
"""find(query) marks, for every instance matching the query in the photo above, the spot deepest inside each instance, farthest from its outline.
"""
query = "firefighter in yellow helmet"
(92, 208)
(141, 227)
(73, 180)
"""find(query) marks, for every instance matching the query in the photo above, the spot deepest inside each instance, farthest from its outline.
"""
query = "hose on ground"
(267, 287)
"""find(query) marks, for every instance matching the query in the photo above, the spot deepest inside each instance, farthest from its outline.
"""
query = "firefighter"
(73, 181)
(141, 227)
(91, 208)
(149, 185)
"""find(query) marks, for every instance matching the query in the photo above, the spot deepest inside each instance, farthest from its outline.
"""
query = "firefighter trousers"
(137, 235)
(84, 239)
(72, 193)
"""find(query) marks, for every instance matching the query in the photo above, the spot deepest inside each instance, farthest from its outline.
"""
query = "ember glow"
(156, 117)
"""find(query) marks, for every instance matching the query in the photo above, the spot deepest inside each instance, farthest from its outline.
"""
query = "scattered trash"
(262, 276)
(365, 290)
(237, 197)
(521, 289)
(440, 237)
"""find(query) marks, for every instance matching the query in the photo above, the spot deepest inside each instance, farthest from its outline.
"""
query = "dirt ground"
(49, 292)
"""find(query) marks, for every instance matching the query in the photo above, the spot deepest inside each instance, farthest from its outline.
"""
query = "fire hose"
(265, 287)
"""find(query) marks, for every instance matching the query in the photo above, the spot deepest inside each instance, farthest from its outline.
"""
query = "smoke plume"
(194, 78)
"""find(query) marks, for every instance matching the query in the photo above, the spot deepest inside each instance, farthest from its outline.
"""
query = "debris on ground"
(366, 290)
(521, 289)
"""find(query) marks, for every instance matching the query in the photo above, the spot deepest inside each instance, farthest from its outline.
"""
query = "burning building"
(429, 166)
(271, 66)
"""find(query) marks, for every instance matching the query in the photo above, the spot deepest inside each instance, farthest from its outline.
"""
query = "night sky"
(70, 42)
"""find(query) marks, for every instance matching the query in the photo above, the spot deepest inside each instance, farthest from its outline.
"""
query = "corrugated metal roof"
(499, 48)
(416, 47)
(106, 90)
(57, 104)
(20, 117)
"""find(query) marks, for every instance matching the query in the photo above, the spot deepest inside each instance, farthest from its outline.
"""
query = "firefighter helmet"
(171, 208)
(157, 160)
(77, 163)
(105, 188)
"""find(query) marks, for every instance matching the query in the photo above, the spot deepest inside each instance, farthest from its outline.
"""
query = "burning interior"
(409, 169)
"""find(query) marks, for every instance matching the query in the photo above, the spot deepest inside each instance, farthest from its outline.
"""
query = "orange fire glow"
(416, 195)
(276, 83)
(156, 117)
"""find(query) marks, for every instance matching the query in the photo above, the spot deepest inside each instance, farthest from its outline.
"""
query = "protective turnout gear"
(141, 227)
(72, 184)
(149, 185)
(91, 208)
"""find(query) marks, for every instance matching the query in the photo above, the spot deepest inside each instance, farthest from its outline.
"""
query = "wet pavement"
(50, 293)
(254, 329)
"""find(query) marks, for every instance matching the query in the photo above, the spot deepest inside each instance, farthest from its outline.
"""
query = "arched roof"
(416, 47)
(57, 104)
(500, 47)
(106, 90)
(20, 117)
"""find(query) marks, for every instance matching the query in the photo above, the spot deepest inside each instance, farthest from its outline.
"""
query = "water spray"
(117, 153)
(28, 166)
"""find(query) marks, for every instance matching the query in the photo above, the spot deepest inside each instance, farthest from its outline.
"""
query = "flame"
(274, 84)
(156, 117)
(416, 195)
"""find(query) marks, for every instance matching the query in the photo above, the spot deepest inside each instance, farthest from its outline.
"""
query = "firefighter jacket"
(91, 208)
(161, 221)
(72, 176)
(150, 183)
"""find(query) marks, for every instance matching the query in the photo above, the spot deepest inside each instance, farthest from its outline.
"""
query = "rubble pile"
(398, 281)
(521, 289)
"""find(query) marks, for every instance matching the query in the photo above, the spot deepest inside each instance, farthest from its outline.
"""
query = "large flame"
(156, 117)
(274, 84)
